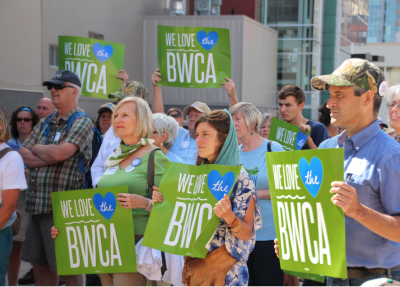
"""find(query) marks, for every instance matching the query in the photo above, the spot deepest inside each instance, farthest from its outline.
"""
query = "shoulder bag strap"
(151, 172)
(3, 152)
(269, 146)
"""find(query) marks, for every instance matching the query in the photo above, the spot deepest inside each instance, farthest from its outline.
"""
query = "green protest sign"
(309, 227)
(289, 136)
(184, 223)
(193, 57)
(95, 62)
(95, 232)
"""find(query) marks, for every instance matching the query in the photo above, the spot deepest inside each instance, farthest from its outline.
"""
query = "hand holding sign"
(223, 209)
(346, 198)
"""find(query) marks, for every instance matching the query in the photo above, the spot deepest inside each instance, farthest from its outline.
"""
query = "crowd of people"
(51, 149)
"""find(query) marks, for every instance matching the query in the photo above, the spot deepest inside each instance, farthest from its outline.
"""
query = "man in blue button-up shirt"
(369, 195)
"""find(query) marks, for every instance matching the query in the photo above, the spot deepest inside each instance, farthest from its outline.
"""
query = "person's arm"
(309, 141)
(157, 105)
(123, 76)
(223, 209)
(53, 154)
(9, 202)
(32, 160)
(263, 194)
(229, 86)
(385, 225)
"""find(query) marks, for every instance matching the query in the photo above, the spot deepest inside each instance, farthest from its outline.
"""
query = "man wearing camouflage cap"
(369, 194)
(110, 141)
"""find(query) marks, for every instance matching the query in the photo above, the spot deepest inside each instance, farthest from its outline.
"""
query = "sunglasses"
(27, 120)
(176, 116)
(58, 86)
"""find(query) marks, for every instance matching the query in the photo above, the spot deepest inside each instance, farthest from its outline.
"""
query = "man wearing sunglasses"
(177, 115)
(53, 157)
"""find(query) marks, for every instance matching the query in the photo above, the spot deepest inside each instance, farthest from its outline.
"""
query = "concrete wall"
(120, 21)
(253, 65)
(260, 64)
(20, 54)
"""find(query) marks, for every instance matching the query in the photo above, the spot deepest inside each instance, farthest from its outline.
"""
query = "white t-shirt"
(11, 175)
(110, 142)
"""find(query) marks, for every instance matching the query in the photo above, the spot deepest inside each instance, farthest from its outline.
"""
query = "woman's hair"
(164, 123)
(13, 122)
(144, 117)
(251, 114)
(5, 131)
(97, 121)
(392, 92)
(266, 117)
(324, 115)
(220, 121)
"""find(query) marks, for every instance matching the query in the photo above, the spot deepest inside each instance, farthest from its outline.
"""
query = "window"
(96, 36)
(398, 17)
(398, 29)
(53, 61)
(398, 5)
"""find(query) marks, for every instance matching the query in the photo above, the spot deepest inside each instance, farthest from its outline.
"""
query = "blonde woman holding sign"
(234, 240)
(133, 123)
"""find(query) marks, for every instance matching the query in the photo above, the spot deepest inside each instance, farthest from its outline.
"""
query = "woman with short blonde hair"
(127, 165)
(247, 120)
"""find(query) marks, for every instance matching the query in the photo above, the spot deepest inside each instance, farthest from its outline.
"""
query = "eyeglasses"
(175, 116)
(391, 106)
(195, 116)
(27, 120)
(58, 86)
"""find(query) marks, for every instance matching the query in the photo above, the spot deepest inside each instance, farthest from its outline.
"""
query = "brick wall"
(242, 7)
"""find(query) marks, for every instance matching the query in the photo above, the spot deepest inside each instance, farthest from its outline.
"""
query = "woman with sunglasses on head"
(234, 240)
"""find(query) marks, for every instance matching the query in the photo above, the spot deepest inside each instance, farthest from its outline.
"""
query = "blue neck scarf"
(229, 154)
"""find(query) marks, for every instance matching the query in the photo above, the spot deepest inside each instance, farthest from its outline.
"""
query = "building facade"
(384, 21)
(315, 37)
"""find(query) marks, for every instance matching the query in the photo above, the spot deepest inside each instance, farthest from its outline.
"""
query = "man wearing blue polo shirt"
(369, 194)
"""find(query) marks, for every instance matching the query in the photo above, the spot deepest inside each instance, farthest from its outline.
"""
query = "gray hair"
(164, 123)
(392, 92)
(79, 91)
(250, 113)
(266, 117)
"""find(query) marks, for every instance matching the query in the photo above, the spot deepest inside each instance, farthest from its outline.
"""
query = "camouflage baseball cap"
(131, 89)
(358, 72)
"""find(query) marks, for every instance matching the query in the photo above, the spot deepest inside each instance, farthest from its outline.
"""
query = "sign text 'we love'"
(309, 228)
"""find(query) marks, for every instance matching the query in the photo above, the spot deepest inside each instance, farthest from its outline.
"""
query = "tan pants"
(123, 279)
(128, 279)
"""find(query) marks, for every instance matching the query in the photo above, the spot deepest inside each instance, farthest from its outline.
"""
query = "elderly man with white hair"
(53, 154)
(165, 131)
(393, 96)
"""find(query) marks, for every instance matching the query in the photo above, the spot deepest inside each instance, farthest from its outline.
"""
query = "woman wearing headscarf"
(264, 267)
(234, 240)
